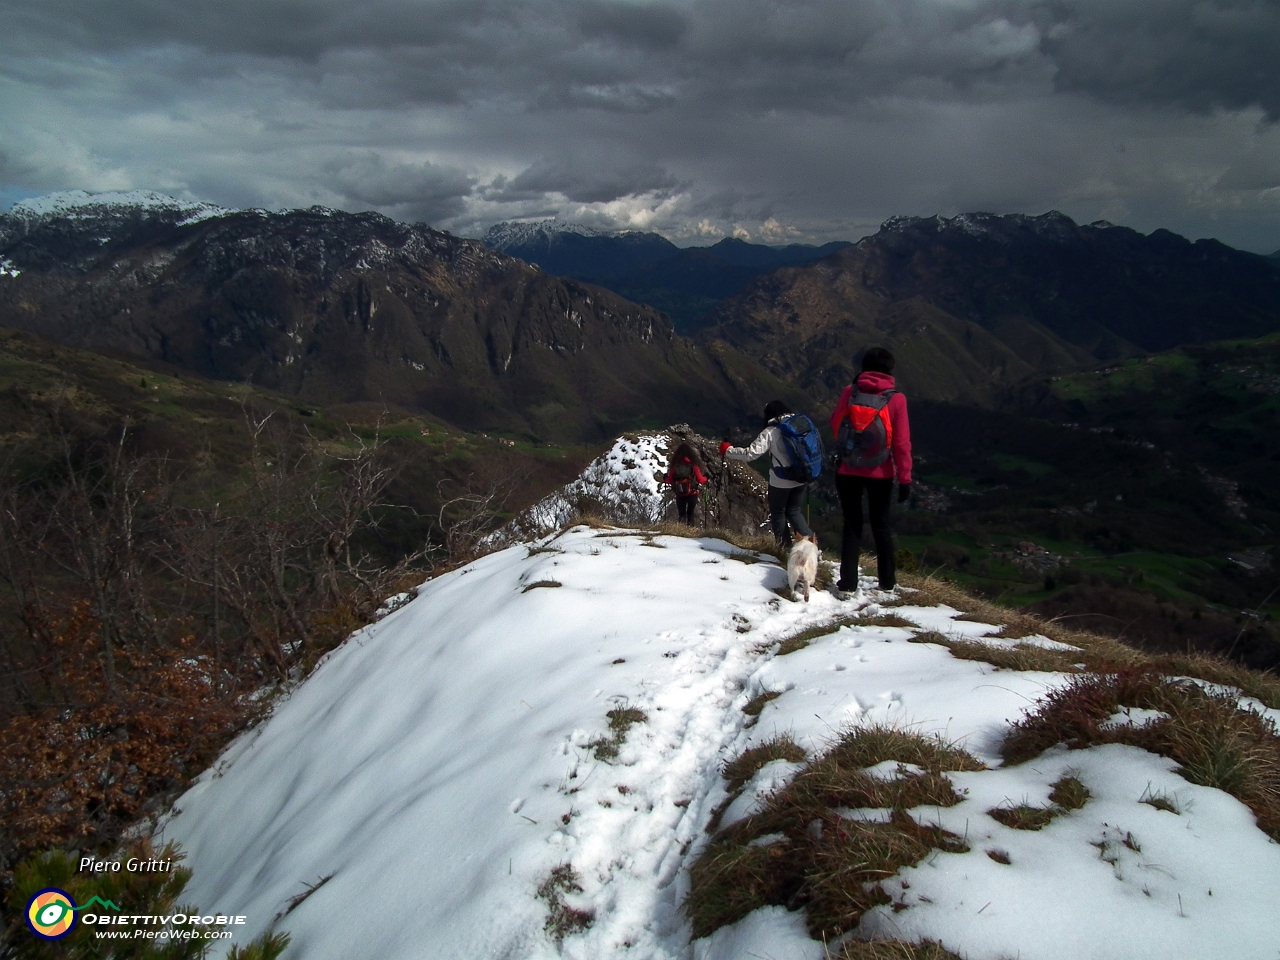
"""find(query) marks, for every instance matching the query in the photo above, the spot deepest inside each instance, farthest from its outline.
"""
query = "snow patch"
(625, 480)
(77, 204)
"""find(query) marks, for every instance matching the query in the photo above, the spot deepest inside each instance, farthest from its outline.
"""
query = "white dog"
(802, 563)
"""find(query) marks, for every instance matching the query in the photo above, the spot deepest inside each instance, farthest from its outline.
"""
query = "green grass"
(951, 480)
(1009, 461)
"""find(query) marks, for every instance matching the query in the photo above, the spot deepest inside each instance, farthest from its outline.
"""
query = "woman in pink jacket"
(877, 480)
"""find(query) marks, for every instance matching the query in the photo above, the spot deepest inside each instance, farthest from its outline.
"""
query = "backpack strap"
(876, 401)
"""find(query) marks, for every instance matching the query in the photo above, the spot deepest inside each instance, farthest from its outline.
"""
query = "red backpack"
(865, 437)
(683, 482)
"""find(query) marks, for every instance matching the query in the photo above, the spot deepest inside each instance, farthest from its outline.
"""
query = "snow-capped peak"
(78, 204)
(501, 236)
(1052, 225)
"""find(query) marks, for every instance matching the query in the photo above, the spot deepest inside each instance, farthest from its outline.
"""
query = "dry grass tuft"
(562, 919)
(541, 583)
(1161, 801)
(893, 950)
(1069, 794)
(1099, 654)
(798, 641)
(1261, 686)
(756, 704)
(1023, 816)
(741, 769)
(887, 620)
(1218, 743)
(870, 745)
(750, 543)
(826, 861)
(621, 720)
(1024, 656)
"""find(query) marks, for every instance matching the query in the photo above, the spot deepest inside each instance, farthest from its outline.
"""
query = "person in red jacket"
(684, 473)
(876, 378)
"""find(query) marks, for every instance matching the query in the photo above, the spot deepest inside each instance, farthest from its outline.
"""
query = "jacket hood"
(871, 382)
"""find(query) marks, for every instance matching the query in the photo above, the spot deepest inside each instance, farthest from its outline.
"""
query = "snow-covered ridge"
(78, 204)
(501, 236)
(1053, 225)
(441, 764)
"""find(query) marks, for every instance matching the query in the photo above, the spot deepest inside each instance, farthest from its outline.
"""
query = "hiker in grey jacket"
(786, 497)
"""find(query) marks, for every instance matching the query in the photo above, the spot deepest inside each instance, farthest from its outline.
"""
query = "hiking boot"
(843, 592)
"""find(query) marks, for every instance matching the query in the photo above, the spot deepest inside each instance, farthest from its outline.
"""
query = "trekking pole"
(721, 493)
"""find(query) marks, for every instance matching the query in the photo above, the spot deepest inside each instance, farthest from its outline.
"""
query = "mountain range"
(977, 302)
(333, 307)
(685, 283)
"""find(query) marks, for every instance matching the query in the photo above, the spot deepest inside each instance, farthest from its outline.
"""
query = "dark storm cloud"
(689, 116)
(422, 191)
(759, 54)
(1198, 54)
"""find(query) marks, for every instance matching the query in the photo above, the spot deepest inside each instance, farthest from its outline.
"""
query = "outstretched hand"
(724, 447)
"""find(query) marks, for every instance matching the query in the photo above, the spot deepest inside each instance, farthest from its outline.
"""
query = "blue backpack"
(804, 446)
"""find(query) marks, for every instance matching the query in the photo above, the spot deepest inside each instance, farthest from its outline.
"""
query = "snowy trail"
(445, 754)
(442, 764)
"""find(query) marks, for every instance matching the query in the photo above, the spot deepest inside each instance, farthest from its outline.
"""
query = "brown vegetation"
(803, 849)
(145, 609)
(1217, 742)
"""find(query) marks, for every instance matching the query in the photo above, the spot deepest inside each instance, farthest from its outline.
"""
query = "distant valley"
(1109, 397)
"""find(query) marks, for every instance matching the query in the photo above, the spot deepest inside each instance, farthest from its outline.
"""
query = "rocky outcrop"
(624, 485)
(736, 498)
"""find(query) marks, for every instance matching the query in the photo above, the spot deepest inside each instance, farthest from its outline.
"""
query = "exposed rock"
(625, 485)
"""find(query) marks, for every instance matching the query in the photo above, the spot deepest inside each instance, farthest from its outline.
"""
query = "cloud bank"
(811, 119)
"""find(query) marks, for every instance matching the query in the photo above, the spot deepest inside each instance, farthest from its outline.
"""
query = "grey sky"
(698, 118)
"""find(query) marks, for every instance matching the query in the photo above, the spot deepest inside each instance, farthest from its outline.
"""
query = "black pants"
(684, 507)
(879, 492)
(785, 508)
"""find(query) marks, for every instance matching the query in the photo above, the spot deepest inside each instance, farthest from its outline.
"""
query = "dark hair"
(686, 450)
(774, 409)
(878, 360)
